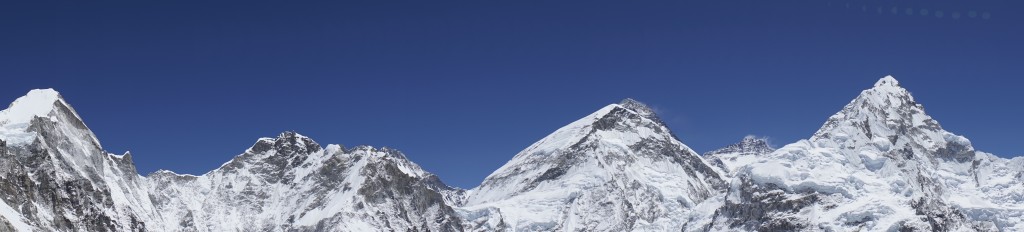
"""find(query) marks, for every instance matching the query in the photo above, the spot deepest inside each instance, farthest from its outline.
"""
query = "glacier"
(879, 164)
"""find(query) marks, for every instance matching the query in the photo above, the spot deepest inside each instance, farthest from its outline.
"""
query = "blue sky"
(461, 86)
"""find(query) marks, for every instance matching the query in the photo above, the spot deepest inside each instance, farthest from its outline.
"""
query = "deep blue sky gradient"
(462, 86)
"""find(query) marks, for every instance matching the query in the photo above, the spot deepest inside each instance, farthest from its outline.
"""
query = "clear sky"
(462, 86)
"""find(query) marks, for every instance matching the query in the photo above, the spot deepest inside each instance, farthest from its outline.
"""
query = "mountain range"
(879, 164)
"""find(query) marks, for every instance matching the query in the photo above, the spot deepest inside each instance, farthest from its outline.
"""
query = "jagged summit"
(288, 140)
(887, 108)
(638, 107)
(887, 118)
(749, 145)
(887, 81)
(64, 174)
(886, 88)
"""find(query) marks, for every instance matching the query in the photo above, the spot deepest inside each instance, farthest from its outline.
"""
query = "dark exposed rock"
(764, 208)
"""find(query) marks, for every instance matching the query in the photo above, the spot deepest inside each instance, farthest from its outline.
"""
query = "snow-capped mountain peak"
(887, 117)
(887, 108)
(37, 103)
(590, 164)
(61, 178)
(881, 163)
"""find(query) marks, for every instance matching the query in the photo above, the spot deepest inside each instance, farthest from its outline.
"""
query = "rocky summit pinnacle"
(887, 81)
(880, 111)
(749, 145)
(297, 142)
(638, 107)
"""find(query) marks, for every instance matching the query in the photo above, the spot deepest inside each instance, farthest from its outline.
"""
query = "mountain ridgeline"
(879, 164)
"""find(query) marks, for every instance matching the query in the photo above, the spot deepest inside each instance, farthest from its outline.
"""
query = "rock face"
(879, 164)
(55, 176)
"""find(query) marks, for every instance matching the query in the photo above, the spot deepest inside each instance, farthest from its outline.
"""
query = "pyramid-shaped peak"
(886, 103)
(887, 81)
(887, 93)
(888, 114)
(753, 140)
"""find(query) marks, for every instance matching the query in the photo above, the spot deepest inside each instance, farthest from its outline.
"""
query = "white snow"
(13, 217)
(37, 103)
(16, 118)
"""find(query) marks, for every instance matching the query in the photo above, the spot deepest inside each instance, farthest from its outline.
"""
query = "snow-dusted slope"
(880, 164)
(618, 169)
